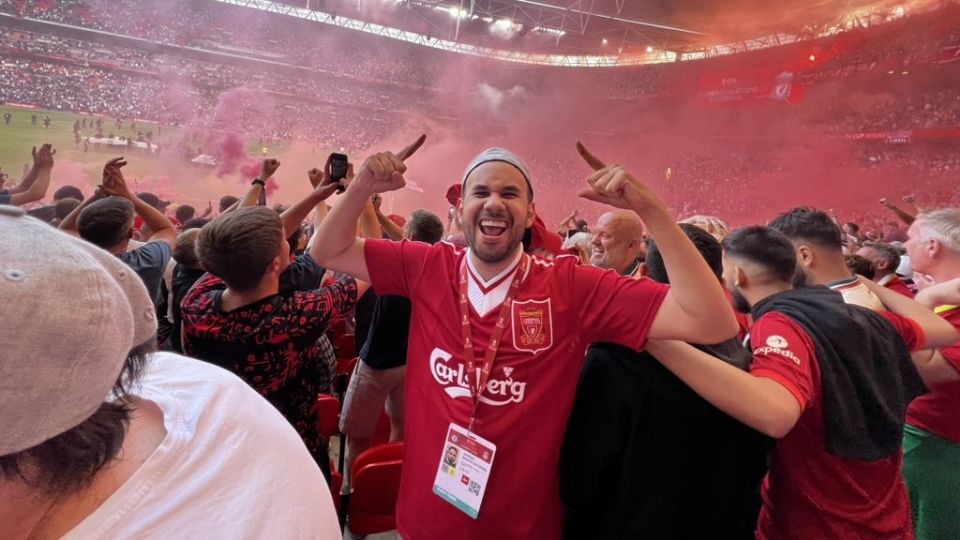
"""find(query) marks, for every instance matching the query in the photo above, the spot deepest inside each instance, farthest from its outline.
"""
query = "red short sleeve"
(783, 352)
(952, 353)
(908, 329)
(394, 266)
(615, 308)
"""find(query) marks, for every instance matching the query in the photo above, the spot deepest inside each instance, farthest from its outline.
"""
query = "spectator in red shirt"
(932, 438)
(560, 306)
(836, 469)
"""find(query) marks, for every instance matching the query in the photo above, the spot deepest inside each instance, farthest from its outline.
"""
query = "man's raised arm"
(904, 216)
(337, 246)
(252, 197)
(35, 185)
(323, 188)
(115, 184)
(695, 309)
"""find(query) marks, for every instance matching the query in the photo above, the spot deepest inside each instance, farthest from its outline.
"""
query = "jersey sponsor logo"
(532, 325)
(451, 376)
(777, 345)
(778, 342)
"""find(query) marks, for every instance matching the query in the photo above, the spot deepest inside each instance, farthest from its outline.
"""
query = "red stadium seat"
(374, 488)
(338, 327)
(345, 346)
(380, 452)
(336, 483)
(328, 416)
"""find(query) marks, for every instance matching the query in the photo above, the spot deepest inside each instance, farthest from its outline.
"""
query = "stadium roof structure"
(597, 33)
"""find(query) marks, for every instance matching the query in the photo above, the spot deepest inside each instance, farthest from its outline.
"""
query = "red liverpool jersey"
(938, 412)
(559, 309)
(809, 493)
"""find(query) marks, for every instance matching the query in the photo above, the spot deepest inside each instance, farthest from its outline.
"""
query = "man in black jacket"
(646, 457)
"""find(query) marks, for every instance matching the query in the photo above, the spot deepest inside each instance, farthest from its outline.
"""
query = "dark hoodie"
(867, 376)
(645, 457)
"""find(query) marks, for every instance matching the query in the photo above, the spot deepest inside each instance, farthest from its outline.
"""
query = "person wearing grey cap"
(497, 337)
(101, 438)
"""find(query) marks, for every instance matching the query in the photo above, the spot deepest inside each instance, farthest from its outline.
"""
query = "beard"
(494, 254)
(739, 302)
(800, 279)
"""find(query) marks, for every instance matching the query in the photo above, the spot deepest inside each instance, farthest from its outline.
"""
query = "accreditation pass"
(464, 469)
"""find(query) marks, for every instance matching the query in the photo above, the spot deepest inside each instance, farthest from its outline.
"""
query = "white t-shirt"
(230, 466)
(856, 293)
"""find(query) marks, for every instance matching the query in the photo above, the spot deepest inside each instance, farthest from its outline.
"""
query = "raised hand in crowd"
(255, 194)
(115, 185)
(322, 189)
(37, 181)
(696, 299)
(113, 182)
(267, 168)
(904, 216)
(911, 200)
(383, 171)
(391, 229)
(325, 176)
(340, 249)
(615, 186)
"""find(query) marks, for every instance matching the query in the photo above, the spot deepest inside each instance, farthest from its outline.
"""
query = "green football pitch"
(171, 174)
(17, 138)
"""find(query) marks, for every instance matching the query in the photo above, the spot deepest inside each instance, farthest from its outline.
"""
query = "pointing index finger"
(591, 159)
(412, 148)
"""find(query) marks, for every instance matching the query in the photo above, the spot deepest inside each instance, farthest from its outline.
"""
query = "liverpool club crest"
(532, 325)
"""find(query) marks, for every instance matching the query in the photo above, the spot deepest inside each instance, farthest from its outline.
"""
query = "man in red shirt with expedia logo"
(830, 380)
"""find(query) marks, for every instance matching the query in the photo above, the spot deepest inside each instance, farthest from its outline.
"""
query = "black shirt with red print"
(271, 344)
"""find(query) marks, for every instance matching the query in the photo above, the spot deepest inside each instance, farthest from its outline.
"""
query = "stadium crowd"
(265, 294)
(172, 371)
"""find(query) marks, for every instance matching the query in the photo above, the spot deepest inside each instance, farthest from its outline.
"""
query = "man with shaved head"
(497, 337)
(618, 242)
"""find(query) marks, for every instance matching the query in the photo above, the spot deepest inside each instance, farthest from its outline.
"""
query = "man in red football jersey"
(497, 338)
(830, 380)
(932, 439)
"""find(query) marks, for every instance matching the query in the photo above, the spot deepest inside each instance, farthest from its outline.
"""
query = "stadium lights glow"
(457, 12)
(649, 49)
(561, 60)
(605, 41)
(504, 23)
(547, 30)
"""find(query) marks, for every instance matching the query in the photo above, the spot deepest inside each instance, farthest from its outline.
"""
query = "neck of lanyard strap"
(477, 381)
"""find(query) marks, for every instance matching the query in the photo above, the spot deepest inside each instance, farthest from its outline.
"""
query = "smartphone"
(338, 170)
